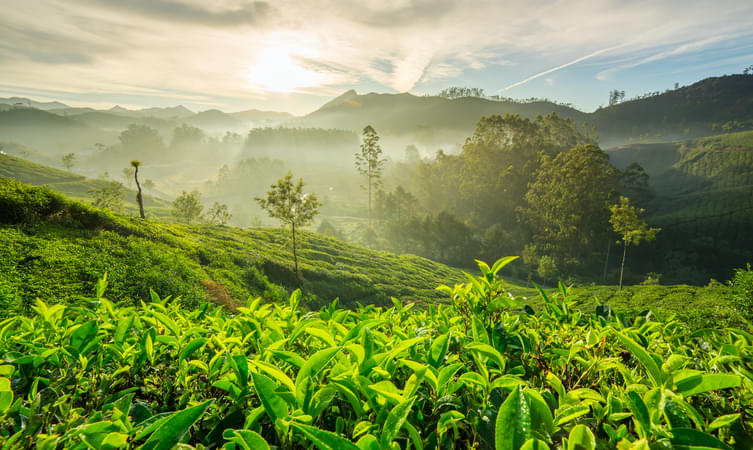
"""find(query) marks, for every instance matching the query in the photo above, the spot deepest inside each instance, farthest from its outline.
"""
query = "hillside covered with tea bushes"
(56, 249)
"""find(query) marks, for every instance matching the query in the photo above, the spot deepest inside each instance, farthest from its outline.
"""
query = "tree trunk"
(369, 196)
(295, 255)
(622, 266)
(139, 197)
(606, 261)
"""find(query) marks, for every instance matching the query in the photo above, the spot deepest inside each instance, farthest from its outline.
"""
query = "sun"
(277, 71)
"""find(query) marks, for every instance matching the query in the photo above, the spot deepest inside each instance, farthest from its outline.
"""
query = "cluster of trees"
(187, 208)
(541, 188)
(616, 96)
(460, 92)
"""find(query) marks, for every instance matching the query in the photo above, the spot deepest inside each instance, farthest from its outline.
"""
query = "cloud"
(246, 13)
(562, 66)
(173, 47)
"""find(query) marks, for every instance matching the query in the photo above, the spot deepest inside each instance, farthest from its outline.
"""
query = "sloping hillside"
(72, 185)
(407, 112)
(703, 201)
(55, 248)
(701, 109)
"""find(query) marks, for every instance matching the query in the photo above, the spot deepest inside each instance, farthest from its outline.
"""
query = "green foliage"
(625, 220)
(110, 196)
(187, 206)
(369, 162)
(218, 214)
(567, 205)
(291, 206)
(157, 375)
(68, 160)
(741, 287)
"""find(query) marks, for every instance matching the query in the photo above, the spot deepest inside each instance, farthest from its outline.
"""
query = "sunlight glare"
(276, 71)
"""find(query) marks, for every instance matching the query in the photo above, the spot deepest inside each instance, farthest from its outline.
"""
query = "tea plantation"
(105, 362)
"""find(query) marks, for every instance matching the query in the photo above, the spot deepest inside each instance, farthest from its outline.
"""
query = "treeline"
(539, 188)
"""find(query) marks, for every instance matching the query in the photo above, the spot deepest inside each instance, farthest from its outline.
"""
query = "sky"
(292, 55)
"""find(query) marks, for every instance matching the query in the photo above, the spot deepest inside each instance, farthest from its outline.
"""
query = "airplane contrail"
(554, 69)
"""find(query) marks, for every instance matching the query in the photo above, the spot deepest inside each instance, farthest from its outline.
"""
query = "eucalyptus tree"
(369, 161)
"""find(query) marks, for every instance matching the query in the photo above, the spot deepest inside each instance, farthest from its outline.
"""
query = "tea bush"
(477, 374)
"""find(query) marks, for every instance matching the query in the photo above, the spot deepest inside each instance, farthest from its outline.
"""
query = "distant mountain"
(45, 130)
(397, 113)
(214, 119)
(22, 101)
(175, 112)
(701, 109)
(256, 115)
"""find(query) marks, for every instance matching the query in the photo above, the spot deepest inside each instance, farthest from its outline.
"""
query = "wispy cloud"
(562, 66)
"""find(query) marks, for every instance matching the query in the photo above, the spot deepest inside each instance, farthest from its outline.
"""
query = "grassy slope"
(55, 248)
(72, 185)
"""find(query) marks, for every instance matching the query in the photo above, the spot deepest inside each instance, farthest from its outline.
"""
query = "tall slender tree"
(626, 221)
(139, 197)
(369, 161)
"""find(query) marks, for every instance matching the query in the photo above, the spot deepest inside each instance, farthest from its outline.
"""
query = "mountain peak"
(339, 100)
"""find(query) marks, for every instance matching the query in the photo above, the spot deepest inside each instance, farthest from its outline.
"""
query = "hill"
(704, 108)
(399, 113)
(23, 125)
(703, 201)
(23, 101)
(56, 248)
(255, 115)
(73, 185)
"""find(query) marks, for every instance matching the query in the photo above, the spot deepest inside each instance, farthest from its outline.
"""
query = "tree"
(139, 197)
(567, 204)
(68, 160)
(369, 162)
(288, 203)
(626, 221)
(110, 196)
(218, 214)
(412, 155)
(187, 206)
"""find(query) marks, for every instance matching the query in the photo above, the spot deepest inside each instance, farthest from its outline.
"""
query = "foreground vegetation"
(470, 375)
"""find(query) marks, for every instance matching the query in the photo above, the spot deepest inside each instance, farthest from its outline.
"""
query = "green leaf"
(541, 415)
(488, 351)
(581, 438)
(124, 325)
(640, 413)
(6, 395)
(439, 350)
(534, 444)
(246, 439)
(167, 322)
(273, 404)
(368, 442)
(394, 422)
(172, 430)
(513, 426)
(644, 357)
(324, 440)
(191, 347)
(83, 334)
(690, 438)
(723, 421)
(311, 368)
(240, 366)
(703, 383)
